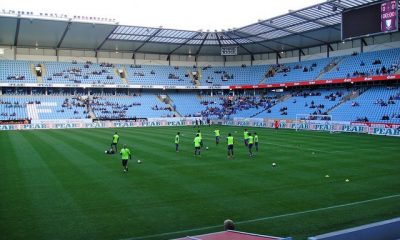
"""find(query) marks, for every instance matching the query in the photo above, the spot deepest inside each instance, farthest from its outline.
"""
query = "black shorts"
(197, 148)
(250, 145)
(124, 162)
(230, 147)
(113, 144)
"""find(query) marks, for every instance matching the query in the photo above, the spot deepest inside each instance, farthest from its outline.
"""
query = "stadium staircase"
(171, 105)
(279, 100)
(165, 99)
(32, 111)
(89, 108)
(352, 95)
(39, 79)
(332, 65)
(124, 80)
(265, 75)
(194, 80)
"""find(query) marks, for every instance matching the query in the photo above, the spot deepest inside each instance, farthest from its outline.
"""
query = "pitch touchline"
(266, 218)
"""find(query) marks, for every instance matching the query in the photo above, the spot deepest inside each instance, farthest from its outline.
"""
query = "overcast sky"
(176, 14)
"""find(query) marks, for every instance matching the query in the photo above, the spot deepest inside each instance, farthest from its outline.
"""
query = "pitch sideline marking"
(267, 218)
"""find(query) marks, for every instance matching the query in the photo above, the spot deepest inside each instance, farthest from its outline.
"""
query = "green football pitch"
(59, 184)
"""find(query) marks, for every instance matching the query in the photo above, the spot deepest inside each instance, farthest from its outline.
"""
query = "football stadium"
(283, 128)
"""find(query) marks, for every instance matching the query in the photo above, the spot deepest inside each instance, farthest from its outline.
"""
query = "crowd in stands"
(362, 119)
(75, 103)
(285, 69)
(135, 66)
(231, 105)
(333, 96)
(156, 107)
(383, 70)
(8, 104)
(173, 76)
(139, 74)
(15, 104)
(117, 110)
(15, 77)
(225, 76)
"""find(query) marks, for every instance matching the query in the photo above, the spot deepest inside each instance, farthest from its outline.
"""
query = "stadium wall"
(8, 53)
(393, 131)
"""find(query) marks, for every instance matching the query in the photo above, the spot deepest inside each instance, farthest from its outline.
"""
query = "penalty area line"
(265, 218)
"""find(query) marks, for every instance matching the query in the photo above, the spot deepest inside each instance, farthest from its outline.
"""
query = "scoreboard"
(373, 19)
(389, 16)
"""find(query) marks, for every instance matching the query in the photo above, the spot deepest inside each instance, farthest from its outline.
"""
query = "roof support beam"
(291, 32)
(278, 56)
(148, 39)
(65, 33)
(201, 45)
(184, 43)
(105, 39)
(330, 47)
(17, 32)
(249, 35)
(301, 53)
(219, 41)
(271, 40)
(317, 20)
(364, 42)
(240, 45)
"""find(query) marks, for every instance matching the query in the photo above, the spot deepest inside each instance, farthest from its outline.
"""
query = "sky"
(176, 14)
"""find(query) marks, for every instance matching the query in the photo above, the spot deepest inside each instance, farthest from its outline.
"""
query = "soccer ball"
(139, 162)
(206, 148)
(273, 164)
(105, 151)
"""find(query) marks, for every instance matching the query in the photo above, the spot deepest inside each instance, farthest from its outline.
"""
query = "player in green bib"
(250, 144)
(177, 139)
(230, 141)
(125, 155)
(217, 136)
(114, 143)
(201, 139)
(256, 141)
(197, 145)
(246, 137)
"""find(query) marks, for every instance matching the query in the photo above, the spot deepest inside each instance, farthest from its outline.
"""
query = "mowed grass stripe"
(176, 184)
(56, 155)
(47, 194)
(112, 206)
(15, 198)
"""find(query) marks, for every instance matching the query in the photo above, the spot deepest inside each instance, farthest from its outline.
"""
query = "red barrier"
(320, 82)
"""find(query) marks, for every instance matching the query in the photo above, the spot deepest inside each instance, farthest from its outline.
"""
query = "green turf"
(59, 184)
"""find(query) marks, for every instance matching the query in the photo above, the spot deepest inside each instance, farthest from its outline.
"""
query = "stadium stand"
(296, 72)
(355, 65)
(377, 104)
(42, 107)
(139, 106)
(89, 73)
(16, 72)
(366, 64)
(158, 75)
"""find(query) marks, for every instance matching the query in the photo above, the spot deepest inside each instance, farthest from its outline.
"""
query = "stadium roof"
(312, 26)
